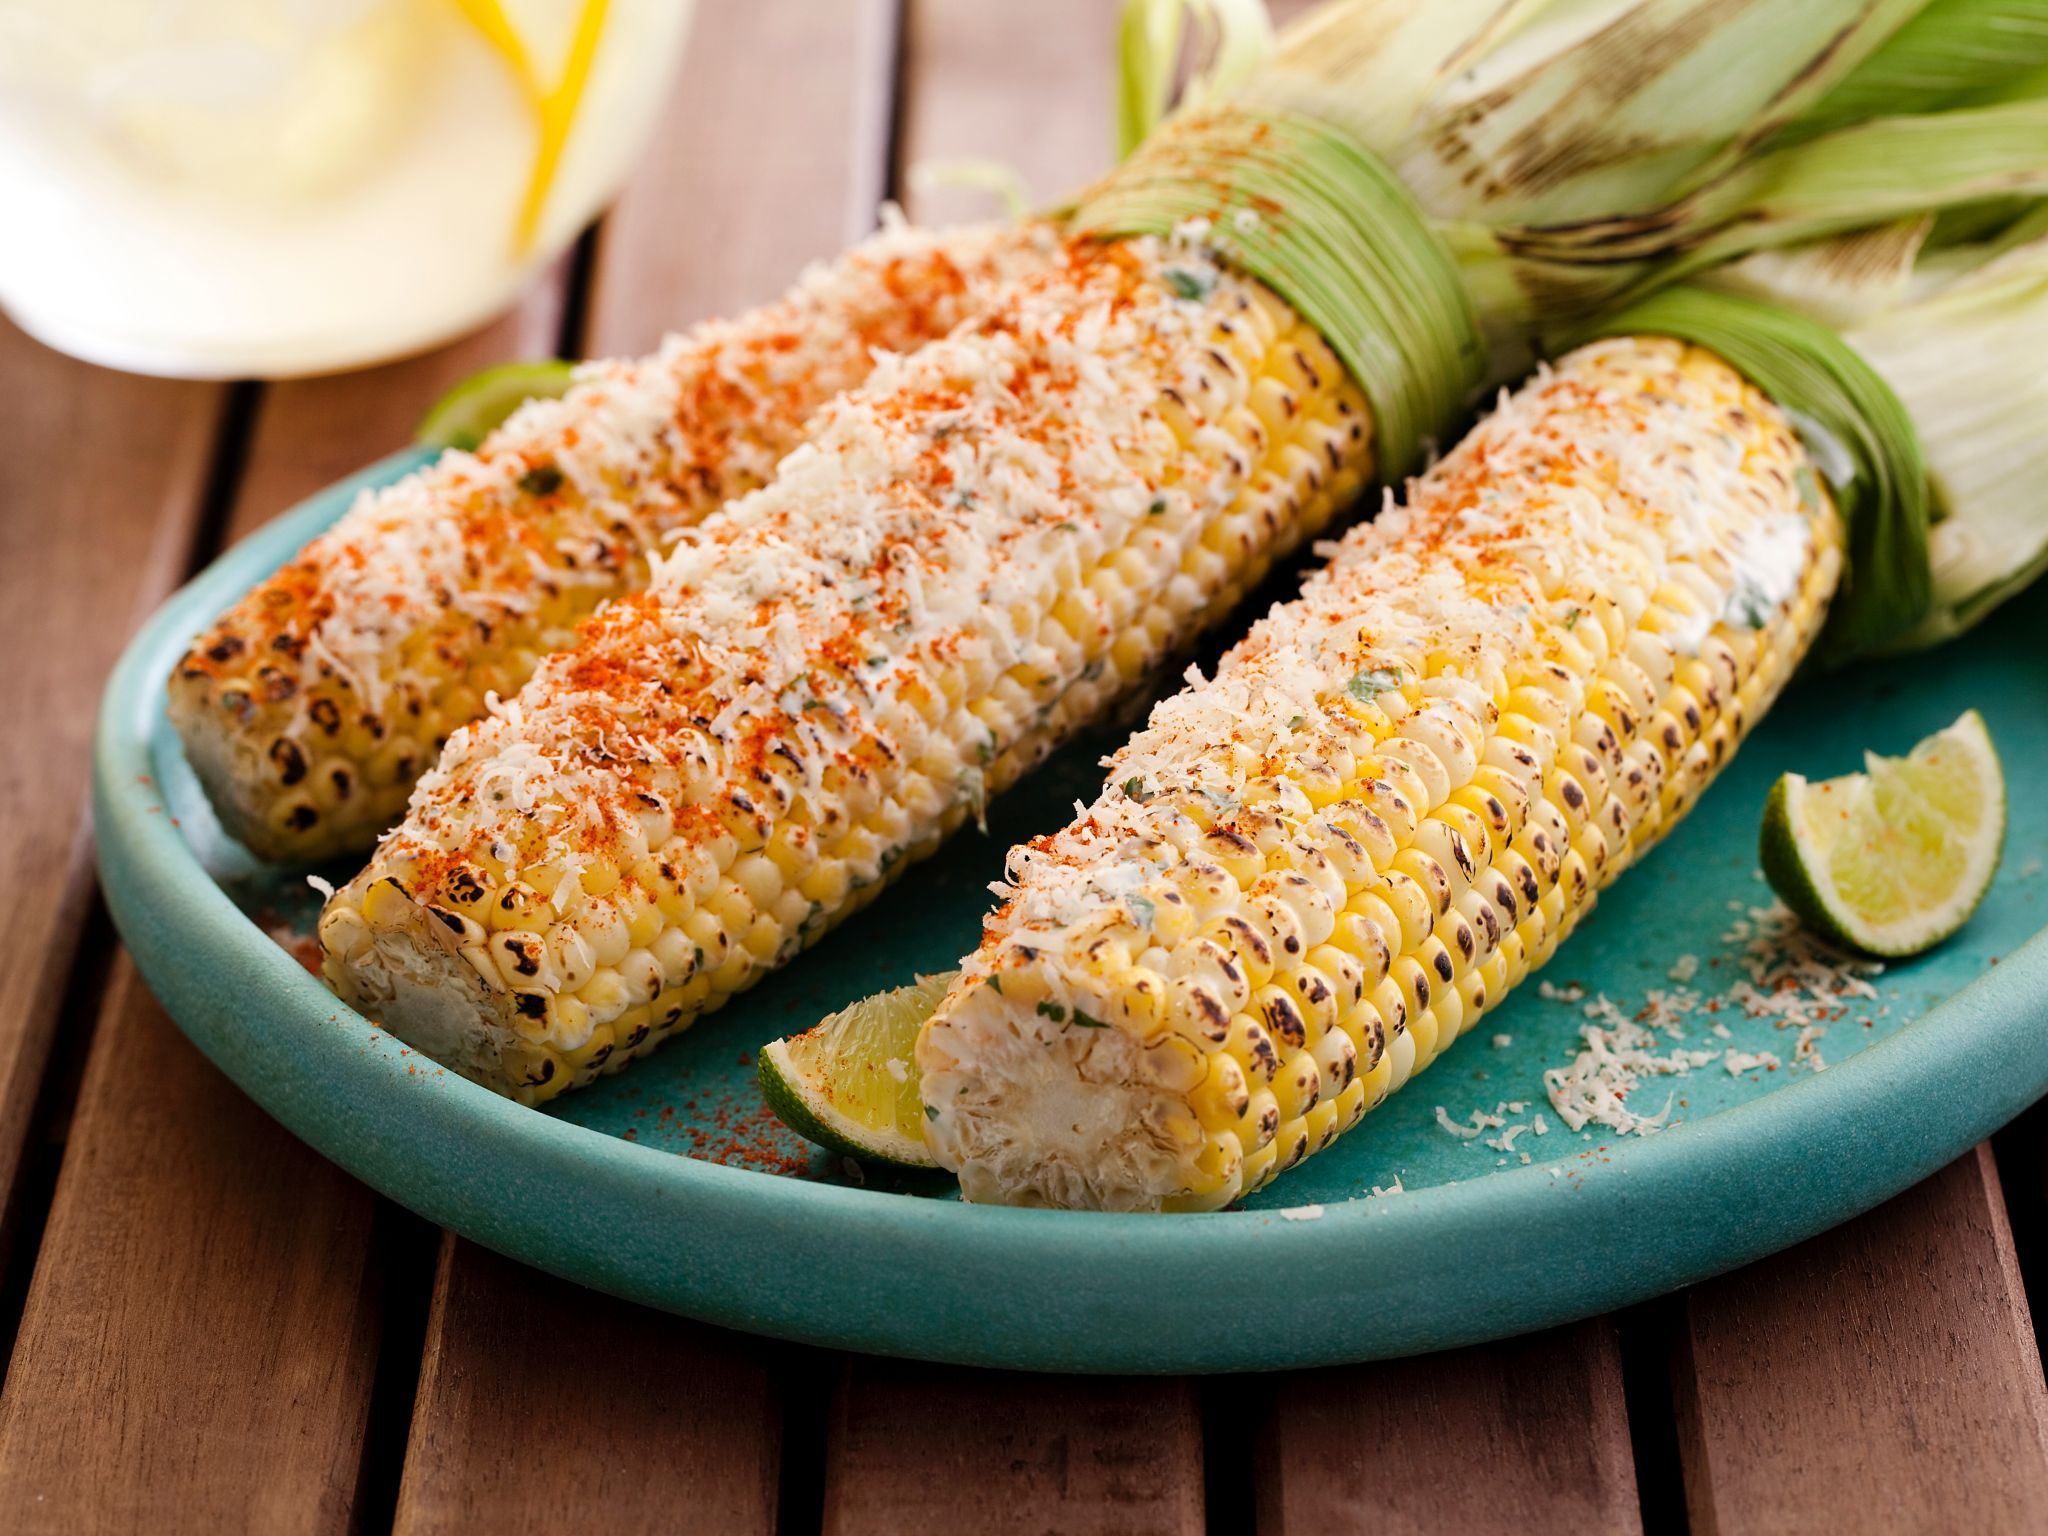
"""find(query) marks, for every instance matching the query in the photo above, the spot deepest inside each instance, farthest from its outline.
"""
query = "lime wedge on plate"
(850, 1085)
(473, 409)
(1892, 860)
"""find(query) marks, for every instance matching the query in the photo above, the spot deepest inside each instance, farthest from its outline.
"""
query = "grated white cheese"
(1788, 977)
(1480, 1123)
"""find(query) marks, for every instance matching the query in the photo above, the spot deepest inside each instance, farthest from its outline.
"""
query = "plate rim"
(1505, 1252)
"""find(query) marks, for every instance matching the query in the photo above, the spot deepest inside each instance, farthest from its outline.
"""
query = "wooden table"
(213, 1330)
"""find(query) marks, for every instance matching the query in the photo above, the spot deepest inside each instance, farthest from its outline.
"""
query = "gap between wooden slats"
(540, 1402)
(1883, 1376)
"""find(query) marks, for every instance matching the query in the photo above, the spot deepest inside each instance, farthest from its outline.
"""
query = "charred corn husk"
(975, 552)
(1307, 876)
(309, 709)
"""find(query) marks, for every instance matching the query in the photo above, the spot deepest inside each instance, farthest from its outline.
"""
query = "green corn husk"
(1966, 52)
(1445, 187)
(1965, 352)
(1240, 37)
(1953, 314)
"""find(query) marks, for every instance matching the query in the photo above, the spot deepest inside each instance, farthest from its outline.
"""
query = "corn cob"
(1398, 795)
(310, 707)
(977, 550)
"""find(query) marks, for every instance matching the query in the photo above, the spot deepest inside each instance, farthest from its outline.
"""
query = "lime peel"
(1895, 859)
(480, 404)
(851, 1083)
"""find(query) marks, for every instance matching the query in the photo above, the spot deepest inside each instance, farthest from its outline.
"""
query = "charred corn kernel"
(388, 632)
(1579, 612)
(833, 672)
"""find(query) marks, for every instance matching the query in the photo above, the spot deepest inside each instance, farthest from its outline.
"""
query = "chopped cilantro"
(1158, 506)
(995, 985)
(1749, 604)
(1086, 1022)
(1809, 487)
(541, 480)
(1141, 908)
(931, 1112)
(972, 787)
(1053, 1011)
(1188, 284)
(1366, 686)
(1134, 789)
(878, 661)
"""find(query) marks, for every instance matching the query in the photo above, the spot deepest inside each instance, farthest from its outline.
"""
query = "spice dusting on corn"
(311, 707)
(1394, 799)
(976, 551)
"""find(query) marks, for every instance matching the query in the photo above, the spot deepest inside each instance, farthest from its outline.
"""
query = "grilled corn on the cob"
(975, 551)
(310, 707)
(1308, 875)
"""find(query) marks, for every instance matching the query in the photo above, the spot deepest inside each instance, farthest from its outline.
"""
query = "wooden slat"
(772, 152)
(1530, 1435)
(198, 1344)
(1883, 1376)
(1030, 86)
(932, 1448)
(101, 486)
(219, 1213)
(544, 1407)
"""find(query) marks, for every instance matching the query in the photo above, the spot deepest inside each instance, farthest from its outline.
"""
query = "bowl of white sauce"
(236, 188)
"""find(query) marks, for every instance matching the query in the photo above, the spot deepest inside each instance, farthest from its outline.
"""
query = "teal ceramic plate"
(666, 1184)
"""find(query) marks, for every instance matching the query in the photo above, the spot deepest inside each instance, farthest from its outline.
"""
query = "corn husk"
(1447, 187)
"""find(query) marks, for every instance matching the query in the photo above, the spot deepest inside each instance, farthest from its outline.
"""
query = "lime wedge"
(850, 1085)
(473, 409)
(1892, 860)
